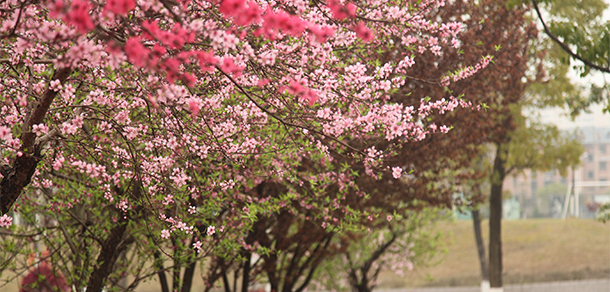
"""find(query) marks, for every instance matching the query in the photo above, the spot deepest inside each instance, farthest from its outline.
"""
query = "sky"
(560, 118)
(596, 117)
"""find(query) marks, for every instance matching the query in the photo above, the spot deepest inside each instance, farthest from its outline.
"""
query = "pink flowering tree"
(149, 122)
(436, 163)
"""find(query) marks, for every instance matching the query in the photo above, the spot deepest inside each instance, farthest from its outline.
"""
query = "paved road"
(569, 286)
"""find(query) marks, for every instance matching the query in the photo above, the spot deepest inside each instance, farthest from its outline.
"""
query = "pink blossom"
(79, 16)
(59, 161)
(136, 52)
(262, 82)
(229, 67)
(389, 218)
(340, 11)
(55, 85)
(120, 7)
(197, 245)
(363, 32)
(68, 129)
(6, 221)
(55, 9)
(123, 117)
(195, 105)
(207, 60)
(123, 205)
(396, 172)
(40, 129)
(211, 230)
(311, 97)
(296, 88)
(165, 233)
(455, 43)
(231, 7)
(5, 133)
(322, 33)
(250, 14)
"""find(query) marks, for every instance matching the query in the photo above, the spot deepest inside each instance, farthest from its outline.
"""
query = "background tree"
(405, 243)
(577, 29)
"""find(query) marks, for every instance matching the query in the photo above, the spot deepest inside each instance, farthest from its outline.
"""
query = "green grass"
(535, 250)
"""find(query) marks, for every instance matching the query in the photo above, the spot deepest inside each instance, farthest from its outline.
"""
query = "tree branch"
(564, 46)
(23, 169)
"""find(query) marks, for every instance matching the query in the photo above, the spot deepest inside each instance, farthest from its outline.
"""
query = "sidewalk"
(568, 286)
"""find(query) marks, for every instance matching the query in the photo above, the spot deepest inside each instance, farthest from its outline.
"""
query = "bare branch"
(36, 61)
(42, 141)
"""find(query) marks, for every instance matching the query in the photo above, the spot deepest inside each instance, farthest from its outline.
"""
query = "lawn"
(534, 250)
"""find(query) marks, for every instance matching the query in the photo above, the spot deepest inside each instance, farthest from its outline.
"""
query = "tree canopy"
(181, 125)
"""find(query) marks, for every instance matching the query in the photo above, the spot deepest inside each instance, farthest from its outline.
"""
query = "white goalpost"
(573, 194)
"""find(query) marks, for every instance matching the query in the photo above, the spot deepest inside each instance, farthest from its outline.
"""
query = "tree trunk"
(246, 273)
(111, 248)
(495, 218)
(158, 263)
(187, 279)
(176, 269)
(478, 236)
(16, 178)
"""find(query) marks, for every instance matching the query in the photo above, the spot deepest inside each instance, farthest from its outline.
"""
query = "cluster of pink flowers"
(6, 221)
(120, 7)
(468, 71)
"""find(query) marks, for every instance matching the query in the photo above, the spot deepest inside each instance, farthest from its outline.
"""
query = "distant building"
(543, 194)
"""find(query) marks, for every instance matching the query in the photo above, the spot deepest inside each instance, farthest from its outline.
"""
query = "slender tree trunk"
(495, 219)
(187, 279)
(161, 273)
(246, 273)
(176, 269)
(111, 248)
(478, 236)
(225, 281)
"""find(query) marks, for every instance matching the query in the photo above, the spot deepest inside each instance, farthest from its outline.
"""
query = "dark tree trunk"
(111, 248)
(246, 273)
(187, 279)
(478, 236)
(361, 287)
(176, 269)
(161, 272)
(225, 281)
(17, 177)
(495, 217)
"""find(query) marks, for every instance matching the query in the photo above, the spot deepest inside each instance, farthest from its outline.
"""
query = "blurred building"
(542, 194)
